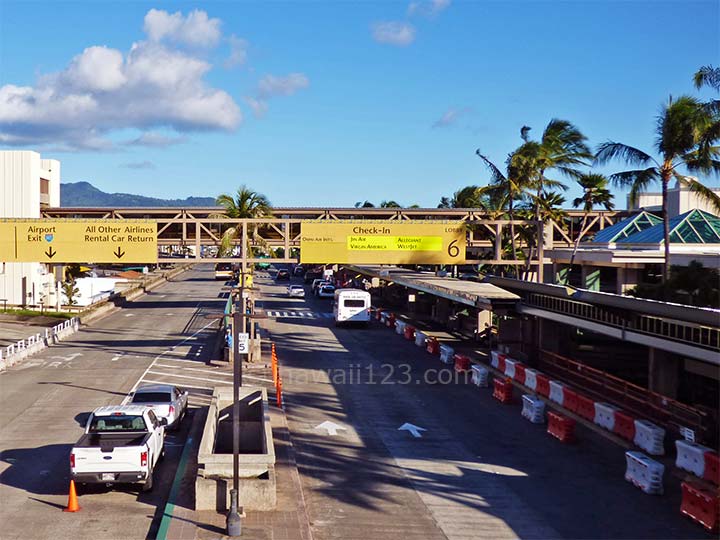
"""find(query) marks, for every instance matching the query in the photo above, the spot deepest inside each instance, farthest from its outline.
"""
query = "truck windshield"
(117, 423)
(152, 397)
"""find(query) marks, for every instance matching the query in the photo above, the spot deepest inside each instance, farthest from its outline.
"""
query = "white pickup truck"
(122, 444)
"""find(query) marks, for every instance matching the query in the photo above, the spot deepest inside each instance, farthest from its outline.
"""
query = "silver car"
(166, 401)
(297, 291)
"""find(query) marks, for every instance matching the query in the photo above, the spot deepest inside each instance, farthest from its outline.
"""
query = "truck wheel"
(148, 485)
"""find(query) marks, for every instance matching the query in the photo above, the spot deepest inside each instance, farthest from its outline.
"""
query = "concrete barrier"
(257, 453)
(24, 348)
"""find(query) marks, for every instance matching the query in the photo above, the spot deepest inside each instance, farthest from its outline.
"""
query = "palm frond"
(703, 192)
(549, 183)
(496, 175)
(679, 126)
(608, 151)
(640, 177)
(707, 76)
(227, 241)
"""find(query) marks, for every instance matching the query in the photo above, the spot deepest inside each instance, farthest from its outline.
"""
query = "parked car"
(224, 271)
(326, 291)
(122, 444)
(297, 291)
(316, 283)
(313, 274)
(166, 401)
(298, 271)
(282, 275)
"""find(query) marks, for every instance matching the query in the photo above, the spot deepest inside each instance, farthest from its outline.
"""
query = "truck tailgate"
(118, 459)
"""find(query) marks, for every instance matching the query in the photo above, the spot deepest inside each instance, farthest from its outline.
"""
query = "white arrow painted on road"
(331, 427)
(67, 358)
(412, 428)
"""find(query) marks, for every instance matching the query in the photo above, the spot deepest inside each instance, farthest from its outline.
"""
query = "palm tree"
(707, 76)
(467, 197)
(505, 190)
(562, 147)
(686, 135)
(244, 205)
(390, 204)
(366, 204)
(595, 193)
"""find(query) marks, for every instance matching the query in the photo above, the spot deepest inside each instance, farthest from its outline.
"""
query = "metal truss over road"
(204, 226)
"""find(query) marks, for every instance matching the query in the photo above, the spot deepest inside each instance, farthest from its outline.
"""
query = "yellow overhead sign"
(382, 242)
(78, 241)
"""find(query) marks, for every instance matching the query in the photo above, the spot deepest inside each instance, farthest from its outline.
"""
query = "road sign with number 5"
(243, 342)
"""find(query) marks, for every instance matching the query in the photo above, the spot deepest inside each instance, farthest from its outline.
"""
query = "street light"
(233, 522)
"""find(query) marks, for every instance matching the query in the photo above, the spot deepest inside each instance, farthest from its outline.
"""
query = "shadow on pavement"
(42, 471)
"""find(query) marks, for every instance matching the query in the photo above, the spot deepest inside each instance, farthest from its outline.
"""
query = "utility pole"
(233, 521)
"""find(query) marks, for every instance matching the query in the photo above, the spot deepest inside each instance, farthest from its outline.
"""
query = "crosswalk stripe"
(187, 377)
(298, 314)
(183, 384)
(212, 371)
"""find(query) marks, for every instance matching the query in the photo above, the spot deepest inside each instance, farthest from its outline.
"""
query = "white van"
(351, 305)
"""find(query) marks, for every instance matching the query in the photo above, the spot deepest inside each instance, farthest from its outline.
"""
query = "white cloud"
(393, 33)
(100, 91)
(96, 69)
(428, 9)
(271, 86)
(196, 29)
(258, 106)
(238, 52)
(155, 140)
(139, 165)
(450, 117)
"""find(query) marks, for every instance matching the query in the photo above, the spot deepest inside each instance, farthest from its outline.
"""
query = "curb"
(119, 301)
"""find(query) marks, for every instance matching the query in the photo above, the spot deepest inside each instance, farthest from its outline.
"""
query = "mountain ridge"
(84, 194)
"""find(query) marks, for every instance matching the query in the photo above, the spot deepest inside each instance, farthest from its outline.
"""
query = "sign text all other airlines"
(78, 241)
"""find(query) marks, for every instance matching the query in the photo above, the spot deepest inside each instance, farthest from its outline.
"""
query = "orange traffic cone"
(73, 505)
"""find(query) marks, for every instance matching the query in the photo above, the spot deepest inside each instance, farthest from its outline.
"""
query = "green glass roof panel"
(625, 228)
(693, 227)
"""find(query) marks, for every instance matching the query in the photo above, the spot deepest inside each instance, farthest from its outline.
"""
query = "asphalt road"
(476, 470)
(161, 337)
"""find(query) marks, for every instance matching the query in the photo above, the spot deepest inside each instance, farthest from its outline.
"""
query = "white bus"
(351, 306)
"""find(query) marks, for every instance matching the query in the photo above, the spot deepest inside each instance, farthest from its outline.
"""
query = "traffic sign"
(243, 342)
(78, 241)
(382, 242)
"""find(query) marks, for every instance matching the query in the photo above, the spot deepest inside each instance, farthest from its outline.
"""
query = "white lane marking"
(255, 378)
(129, 314)
(183, 385)
(188, 377)
(67, 358)
(330, 427)
(413, 429)
(127, 398)
(117, 357)
(197, 369)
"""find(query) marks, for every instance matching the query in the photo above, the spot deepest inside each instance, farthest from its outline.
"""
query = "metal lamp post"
(233, 521)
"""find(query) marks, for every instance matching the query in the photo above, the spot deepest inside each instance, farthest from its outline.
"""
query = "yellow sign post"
(78, 241)
(382, 242)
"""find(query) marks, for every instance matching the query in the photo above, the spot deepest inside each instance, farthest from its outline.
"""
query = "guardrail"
(10, 354)
(631, 397)
(673, 330)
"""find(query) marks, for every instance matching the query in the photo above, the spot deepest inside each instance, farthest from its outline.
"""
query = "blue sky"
(329, 103)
